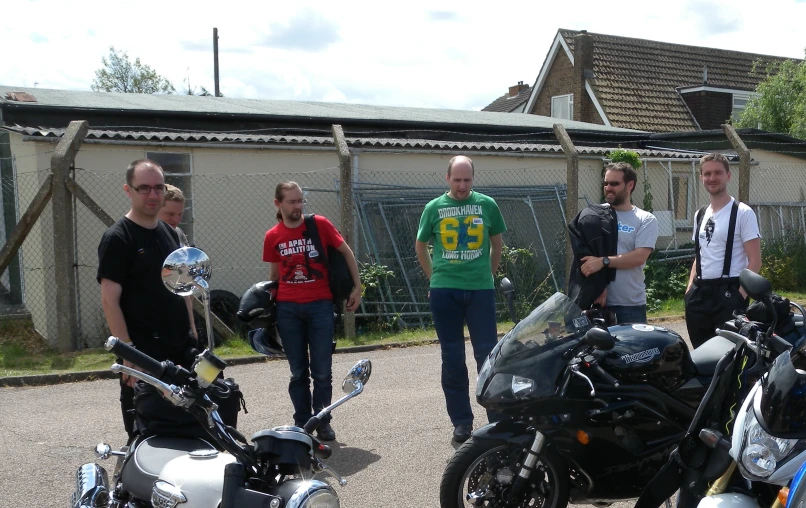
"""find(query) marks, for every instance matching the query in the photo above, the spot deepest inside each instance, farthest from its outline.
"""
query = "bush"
(665, 281)
(783, 263)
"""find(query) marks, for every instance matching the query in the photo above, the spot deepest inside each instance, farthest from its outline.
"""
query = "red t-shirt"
(303, 275)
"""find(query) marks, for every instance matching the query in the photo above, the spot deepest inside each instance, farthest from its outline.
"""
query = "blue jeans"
(304, 326)
(629, 313)
(451, 309)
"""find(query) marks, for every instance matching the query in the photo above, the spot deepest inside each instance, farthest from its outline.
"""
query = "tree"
(781, 103)
(119, 74)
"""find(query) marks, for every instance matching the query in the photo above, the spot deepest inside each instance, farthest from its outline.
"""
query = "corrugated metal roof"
(65, 99)
(202, 138)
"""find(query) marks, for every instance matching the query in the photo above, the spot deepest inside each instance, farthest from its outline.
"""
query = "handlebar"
(132, 355)
(604, 375)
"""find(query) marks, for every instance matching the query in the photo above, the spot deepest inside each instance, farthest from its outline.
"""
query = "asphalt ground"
(393, 441)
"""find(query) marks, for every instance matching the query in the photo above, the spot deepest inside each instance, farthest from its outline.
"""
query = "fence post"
(346, 192)
(571, 187)
(63, 243)
(744, 161)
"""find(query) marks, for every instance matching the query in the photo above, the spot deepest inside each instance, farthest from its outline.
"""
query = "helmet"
(257, 308)
(600, 316)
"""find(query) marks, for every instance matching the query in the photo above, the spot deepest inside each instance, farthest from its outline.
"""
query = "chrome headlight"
(762, 452)
(314, 494)
(165, 495)
(507, 387)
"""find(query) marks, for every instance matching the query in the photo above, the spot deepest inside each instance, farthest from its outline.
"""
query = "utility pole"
(215, 62)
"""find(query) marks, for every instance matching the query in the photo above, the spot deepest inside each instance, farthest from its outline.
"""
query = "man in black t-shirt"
(137, 306)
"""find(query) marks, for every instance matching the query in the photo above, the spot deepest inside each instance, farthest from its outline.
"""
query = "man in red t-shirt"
(304, 302)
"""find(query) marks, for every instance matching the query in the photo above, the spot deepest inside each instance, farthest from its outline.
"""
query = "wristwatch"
(606, 261)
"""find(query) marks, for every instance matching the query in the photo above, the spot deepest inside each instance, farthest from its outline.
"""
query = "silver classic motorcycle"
(275, 468)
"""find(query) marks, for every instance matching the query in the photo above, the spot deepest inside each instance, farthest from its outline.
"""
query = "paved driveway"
(393, 440)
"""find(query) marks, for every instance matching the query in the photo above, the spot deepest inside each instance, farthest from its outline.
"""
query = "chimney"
(583, 69)
(517, 89)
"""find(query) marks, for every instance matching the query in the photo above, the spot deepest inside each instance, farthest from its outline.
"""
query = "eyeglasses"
(611, 184)
(295, 202)
(146, 189)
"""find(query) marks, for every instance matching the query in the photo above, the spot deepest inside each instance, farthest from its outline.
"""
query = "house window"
(739, 103)
(680, 194)
(178, 172)
(562, 106)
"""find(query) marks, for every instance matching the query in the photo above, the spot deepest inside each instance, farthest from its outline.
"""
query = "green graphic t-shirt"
(461, 231)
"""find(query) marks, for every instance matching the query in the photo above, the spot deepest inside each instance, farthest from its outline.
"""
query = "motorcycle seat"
(708, 354)
(150, 455)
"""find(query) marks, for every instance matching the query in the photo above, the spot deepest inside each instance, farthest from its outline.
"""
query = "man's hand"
(591, 265)
(743, 292)
(127, 379)
(602, 300)
(354, 300)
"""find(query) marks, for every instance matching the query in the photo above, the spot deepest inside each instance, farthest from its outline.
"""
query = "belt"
(721, 282)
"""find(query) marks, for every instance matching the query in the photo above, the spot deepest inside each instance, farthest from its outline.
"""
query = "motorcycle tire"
(477, 461)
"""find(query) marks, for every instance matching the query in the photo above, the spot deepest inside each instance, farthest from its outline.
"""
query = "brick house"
(642, 84)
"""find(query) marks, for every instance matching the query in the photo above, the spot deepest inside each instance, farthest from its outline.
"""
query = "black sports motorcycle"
(590, 412)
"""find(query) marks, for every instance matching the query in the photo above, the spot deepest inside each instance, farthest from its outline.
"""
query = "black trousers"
(709, 304)
(127, 408)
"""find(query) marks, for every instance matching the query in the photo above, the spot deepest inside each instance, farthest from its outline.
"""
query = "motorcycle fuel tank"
(199, 475)
(648, 354)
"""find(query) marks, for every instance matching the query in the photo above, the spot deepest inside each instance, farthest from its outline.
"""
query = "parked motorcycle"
(796, 497)
(274, 468)
(748, 468)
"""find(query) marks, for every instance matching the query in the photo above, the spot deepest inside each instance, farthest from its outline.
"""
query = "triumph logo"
(642, 357)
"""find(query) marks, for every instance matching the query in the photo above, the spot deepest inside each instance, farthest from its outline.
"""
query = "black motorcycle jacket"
(593, 232)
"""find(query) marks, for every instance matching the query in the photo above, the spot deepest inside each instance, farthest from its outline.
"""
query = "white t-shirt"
(714, 235)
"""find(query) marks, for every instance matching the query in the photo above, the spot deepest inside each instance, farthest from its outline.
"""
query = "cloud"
(207, 47)
(443, 16)
(38, 38)
(714, 19)
(306, 31)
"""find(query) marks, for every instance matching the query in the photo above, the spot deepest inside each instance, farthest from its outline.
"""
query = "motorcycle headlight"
(314, 494)
(762, 452)
(506, 387)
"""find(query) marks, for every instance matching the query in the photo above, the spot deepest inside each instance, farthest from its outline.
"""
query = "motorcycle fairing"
(149, 457)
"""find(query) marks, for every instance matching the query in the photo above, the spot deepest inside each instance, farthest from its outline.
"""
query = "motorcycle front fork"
(721, 484)
(529, 464)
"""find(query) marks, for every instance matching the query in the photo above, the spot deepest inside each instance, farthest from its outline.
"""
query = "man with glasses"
(727, 240)
(138, 308)
(637, 233)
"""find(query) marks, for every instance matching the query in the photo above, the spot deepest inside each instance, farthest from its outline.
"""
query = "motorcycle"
(796, 496)
(705, 465)
(275, 468)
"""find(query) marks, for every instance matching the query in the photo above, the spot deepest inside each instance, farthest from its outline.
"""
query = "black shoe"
(325, 432)
(461, 433)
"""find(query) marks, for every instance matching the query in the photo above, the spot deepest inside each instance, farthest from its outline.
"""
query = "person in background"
(173, 208)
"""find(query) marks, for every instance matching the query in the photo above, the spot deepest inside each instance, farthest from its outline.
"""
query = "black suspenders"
(734, 212)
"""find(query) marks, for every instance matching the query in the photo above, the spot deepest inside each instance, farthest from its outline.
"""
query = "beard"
(616, 199)
(295, 215)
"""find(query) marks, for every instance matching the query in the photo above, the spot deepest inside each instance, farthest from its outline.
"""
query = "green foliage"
(373, 279)
(781, 104)
(119, 74)
(665, 281)
(784, 262)
(512, 257)
(373, 276)
(628, 156)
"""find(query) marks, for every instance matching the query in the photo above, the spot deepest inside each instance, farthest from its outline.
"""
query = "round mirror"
(358, 374)
(185, 269)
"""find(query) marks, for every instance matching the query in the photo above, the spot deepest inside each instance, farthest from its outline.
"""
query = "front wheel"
(482, 473)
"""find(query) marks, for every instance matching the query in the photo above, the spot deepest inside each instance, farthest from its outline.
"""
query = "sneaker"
(461, 433)
(325, 432)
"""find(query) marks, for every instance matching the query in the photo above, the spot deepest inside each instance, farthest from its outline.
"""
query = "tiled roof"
(507, 103)
(236, 139)
(636, 80)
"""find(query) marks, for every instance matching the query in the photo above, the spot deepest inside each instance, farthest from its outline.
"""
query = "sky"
(432, 54)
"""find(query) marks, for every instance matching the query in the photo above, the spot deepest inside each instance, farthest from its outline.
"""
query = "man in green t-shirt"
(465, 227)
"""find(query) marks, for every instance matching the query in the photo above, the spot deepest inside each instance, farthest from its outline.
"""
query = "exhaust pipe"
(92, 487)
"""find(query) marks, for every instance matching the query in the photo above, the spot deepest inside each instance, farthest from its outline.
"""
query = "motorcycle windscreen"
(537, 343)
(783, 400)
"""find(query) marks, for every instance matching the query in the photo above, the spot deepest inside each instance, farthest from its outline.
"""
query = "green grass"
(673, 307)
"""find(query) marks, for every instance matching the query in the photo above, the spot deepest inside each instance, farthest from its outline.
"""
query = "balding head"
(461, 159)
(141, 164)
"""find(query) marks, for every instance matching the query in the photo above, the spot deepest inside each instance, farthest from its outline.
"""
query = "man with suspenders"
(726, 241)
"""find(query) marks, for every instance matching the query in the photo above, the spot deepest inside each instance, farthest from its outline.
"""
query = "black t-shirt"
(132, 256)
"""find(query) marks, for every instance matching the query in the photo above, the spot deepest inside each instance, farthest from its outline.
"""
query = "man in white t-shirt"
(637, 233)
(713, 291)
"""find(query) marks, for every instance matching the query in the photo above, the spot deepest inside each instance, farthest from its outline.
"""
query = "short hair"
(279, 194)
(139, 162)
(718, 157)
(173, 193)
(454, 159)
(629, 172)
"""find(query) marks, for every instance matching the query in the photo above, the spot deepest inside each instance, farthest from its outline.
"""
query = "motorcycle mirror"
(358, 374)
(506, 287)
(185, 270)
(756, 286)
(600, 339)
